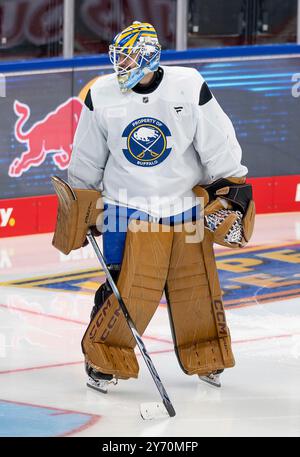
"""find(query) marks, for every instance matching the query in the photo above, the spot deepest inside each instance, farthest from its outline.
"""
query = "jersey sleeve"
(90, 150)
(215, 139)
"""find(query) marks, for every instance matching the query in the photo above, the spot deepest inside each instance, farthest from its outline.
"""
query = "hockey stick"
(164, 396)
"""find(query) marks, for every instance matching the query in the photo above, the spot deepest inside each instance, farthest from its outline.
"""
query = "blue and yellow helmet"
(134, 52)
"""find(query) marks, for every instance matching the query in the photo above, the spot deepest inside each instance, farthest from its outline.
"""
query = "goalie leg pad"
(201, 336)
(108, 344)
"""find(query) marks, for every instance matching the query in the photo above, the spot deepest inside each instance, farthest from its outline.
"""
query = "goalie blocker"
(155, 259)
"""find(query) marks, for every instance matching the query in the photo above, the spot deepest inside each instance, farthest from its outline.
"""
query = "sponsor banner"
(276, 194)
(42, 112)
(26, 216)
(36, 135)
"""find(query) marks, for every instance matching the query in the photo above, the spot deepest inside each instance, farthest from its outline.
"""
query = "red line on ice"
(162, 351)
(40, 367)
(66, 411)
(38, 313)
(93, 420)
(73, 321)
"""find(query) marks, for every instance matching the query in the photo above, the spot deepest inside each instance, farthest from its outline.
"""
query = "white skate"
(99, 381)
(101, 385)
(213, 378)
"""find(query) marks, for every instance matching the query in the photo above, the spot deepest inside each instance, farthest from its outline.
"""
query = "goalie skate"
(100, 386)
(213, 378)
(99, 381)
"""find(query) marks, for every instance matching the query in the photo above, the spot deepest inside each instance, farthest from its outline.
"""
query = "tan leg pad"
(201, 337)
(108, 343)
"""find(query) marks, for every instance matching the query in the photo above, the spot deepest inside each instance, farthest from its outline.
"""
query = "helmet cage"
(131, 64)
(126, 59)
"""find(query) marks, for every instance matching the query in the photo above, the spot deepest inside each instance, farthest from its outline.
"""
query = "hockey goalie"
(155, 156)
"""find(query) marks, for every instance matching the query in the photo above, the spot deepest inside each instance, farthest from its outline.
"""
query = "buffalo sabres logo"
(147, 142)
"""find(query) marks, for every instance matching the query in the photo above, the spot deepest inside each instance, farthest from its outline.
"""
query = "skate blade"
(97, 388)
(152, 411)
(210, 382)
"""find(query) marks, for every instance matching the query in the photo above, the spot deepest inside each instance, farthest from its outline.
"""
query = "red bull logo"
(51, 135)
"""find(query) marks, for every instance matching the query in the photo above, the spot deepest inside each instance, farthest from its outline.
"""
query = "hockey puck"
(152, 411)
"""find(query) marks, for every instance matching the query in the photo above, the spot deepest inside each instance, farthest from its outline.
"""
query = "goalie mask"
(134, 53)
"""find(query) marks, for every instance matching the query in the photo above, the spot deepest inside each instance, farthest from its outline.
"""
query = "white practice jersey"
(147, 151)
